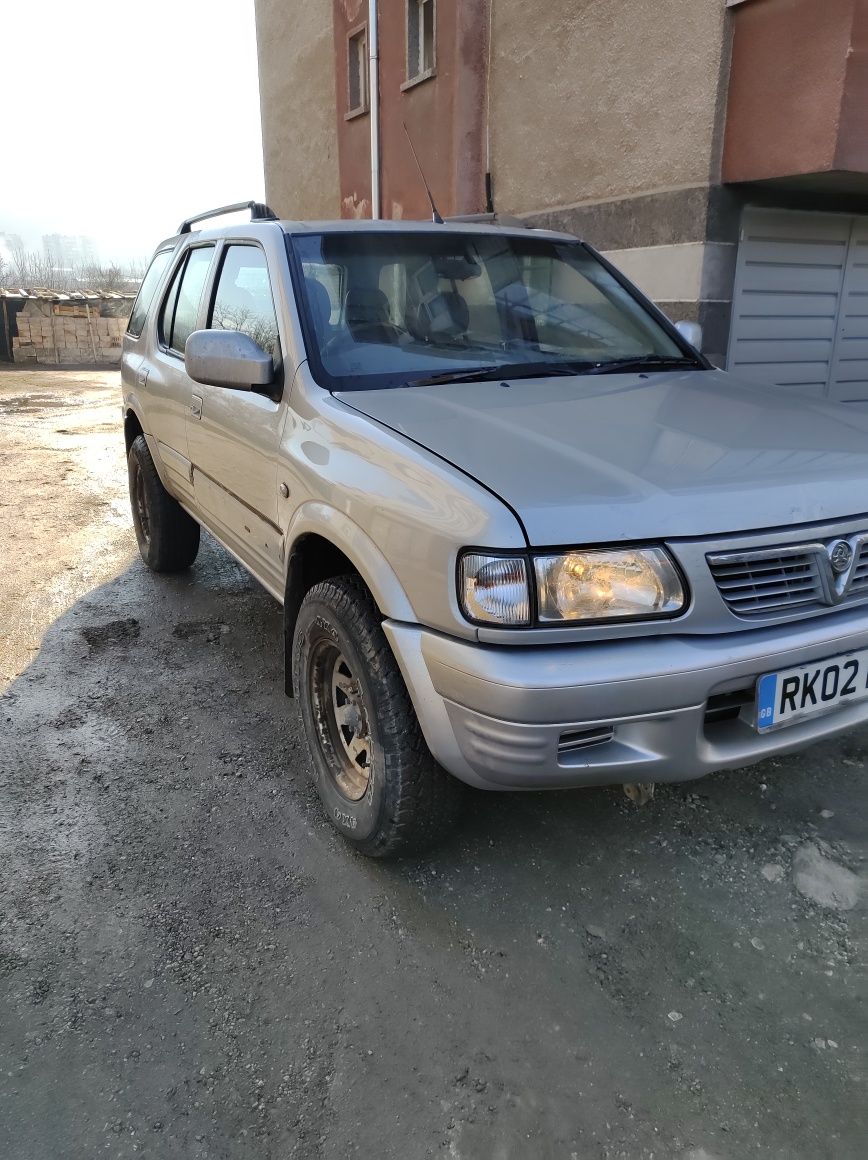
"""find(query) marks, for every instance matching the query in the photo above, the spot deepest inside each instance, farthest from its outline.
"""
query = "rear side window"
(147, 290)
(181, 305)
(243, 299)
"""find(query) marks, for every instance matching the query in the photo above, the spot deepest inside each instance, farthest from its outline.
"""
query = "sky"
(127, 118)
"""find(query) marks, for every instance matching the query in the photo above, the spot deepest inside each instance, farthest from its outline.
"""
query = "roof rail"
(258, 213)
(494, 219)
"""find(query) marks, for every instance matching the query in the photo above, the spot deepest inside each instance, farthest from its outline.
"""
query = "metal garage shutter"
(849, 379)
(800, 303)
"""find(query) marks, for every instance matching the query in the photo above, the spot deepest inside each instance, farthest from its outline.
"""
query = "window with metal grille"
(357, 74)
(420, 39)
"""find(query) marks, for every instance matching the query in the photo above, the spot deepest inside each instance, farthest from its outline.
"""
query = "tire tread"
(174, 542)
(424, 799)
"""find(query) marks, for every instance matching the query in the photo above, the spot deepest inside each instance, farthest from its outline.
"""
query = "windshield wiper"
(643, 362)
(522, 370)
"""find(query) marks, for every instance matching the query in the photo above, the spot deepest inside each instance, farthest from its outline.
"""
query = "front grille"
(859, 583)
(788, 577)
(767, 581)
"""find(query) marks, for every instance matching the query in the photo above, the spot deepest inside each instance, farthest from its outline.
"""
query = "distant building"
(716, 150)
(9, 243)
(66, 251)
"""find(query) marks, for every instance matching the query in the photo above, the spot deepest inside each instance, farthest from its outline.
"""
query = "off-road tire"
(410, 802)
(168, 538)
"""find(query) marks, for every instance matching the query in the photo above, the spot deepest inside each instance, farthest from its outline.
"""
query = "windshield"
(388, 309)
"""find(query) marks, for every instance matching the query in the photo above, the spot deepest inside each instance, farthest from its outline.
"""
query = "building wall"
(603, 119)
(594, 100)
(852, 153)
(606, 121)
(444, 114)
(802, 110)
(299, 112)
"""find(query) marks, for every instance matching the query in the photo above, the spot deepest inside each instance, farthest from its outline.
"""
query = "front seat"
(443, 316)
(366, 314)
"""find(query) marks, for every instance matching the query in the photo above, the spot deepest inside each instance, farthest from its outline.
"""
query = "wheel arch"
(132, 427)
(325, 543)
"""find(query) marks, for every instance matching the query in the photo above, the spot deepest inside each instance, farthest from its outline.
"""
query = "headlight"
(606, 584)
(494, 588)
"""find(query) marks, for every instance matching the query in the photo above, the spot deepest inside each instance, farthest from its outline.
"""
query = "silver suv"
(524, 535)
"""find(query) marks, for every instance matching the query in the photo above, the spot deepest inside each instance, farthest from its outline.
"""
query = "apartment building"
(716, 151)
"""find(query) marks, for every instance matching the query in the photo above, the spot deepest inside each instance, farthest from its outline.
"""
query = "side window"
(189, 296)
(181, 305)
(421, 36)
(167, 313)
(357, 72)
(147, 290)
(243, 299)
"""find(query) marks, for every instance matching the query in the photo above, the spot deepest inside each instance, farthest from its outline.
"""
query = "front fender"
(319, 519)
(315, 518)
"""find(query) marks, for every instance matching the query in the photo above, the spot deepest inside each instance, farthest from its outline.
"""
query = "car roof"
(365, 226)
(406, 225)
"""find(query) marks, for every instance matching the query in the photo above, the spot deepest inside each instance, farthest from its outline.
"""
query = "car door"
(168, 386)
(135, 360)
(233, 436)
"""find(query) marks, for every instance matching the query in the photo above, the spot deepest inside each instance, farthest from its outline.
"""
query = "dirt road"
(193, 965)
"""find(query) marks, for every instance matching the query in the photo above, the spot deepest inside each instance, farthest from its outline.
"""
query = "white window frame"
(356, 36)
(423, 72)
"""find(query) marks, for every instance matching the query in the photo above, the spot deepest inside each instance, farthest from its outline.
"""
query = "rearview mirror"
(227, 358)
(692, 331)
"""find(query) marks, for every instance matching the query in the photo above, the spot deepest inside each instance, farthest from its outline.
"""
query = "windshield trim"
(390, 381)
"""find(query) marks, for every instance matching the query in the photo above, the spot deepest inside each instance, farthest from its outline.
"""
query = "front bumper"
(662, 708)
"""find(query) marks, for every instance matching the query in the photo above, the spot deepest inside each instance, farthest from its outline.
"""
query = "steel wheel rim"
(342, 720)
(141, 506)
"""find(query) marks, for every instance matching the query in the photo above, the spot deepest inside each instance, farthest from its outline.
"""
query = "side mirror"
(227, 358)
(692, 331)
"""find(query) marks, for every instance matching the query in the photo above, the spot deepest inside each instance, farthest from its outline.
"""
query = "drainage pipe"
(374, 104)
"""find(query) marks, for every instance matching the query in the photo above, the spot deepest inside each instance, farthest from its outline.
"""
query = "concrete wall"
(592, 99)
(299, 118)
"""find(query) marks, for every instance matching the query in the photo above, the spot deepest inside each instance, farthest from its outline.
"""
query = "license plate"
(806, 691)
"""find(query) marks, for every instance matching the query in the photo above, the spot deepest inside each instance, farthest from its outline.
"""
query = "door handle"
(142, 377)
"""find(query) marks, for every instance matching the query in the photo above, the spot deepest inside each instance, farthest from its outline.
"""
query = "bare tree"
(29, 269)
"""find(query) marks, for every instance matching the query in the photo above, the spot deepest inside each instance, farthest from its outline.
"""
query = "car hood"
(590, 459)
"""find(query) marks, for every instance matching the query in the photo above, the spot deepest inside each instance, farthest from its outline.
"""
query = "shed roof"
(47, 295)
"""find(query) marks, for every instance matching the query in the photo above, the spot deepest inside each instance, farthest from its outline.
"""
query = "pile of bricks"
(62, 332)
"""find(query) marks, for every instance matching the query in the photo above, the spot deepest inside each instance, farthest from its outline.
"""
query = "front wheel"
(379, 784)
(168, 538)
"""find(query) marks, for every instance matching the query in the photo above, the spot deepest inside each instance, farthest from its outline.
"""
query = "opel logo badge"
(840, 556)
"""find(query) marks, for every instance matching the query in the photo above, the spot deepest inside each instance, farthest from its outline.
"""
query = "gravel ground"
(193, 965)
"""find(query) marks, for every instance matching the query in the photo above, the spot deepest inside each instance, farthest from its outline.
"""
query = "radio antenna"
(435, 213)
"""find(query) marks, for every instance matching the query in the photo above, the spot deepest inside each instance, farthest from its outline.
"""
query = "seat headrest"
(366, 304)
(444, 315)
